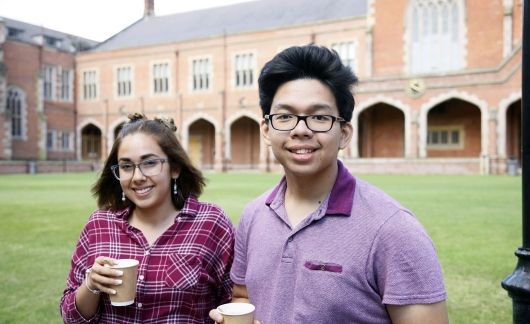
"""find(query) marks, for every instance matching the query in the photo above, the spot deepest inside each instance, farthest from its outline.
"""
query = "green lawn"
(473, 220)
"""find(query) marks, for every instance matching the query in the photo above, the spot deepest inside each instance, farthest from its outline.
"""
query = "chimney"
(149, 8)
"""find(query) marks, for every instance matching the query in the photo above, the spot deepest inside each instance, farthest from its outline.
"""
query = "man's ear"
(264, 128)
(346, 132)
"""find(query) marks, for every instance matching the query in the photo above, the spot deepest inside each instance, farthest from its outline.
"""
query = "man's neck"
(312, 186)
(303, 195)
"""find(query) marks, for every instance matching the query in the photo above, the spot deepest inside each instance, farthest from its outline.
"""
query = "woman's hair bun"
(168, 122)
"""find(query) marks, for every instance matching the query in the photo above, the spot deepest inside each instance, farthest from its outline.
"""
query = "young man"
(324, 246)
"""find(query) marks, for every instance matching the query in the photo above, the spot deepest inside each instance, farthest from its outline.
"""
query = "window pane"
(455, 137)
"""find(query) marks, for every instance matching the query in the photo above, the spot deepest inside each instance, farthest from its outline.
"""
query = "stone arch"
(228, 132)
(252, 155)
(90, 144)
(188, 122)
(354, 144)
(501, 121)
(79, 132)
(464, 96)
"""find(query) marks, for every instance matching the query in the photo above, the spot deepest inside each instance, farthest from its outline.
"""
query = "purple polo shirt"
(358, 251)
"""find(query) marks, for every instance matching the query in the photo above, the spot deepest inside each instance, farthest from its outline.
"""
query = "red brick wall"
(24, 64)
(388, 37)
(484, 33)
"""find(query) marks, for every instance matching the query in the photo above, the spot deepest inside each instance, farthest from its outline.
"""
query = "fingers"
(102, 277)
(105, 261)
(216, 316)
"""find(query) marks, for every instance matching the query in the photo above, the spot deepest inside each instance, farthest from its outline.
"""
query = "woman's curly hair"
(108, 190)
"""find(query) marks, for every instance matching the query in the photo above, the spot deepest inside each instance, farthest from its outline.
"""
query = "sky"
(95, 19)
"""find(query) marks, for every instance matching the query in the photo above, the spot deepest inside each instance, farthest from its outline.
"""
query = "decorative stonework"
(507, 27)
(415, 88)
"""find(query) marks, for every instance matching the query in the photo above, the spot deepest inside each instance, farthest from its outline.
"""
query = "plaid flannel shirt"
(183, 275)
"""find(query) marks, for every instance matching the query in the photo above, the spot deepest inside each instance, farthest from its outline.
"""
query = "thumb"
(216, 316)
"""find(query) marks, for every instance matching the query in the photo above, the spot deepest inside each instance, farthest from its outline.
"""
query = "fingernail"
(113, 292)
(118, 282)
(119, 272)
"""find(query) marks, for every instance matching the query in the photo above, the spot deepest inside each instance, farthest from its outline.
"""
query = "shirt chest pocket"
(183, 271)
(324, 280)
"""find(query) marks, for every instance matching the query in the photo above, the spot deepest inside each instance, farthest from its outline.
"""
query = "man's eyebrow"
(313, 107)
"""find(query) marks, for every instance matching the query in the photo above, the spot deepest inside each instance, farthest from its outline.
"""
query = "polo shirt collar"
(340, 199)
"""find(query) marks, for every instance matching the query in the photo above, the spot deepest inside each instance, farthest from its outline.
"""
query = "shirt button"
(179, 218)
(141, 277)
(139, 305)
(146, 253)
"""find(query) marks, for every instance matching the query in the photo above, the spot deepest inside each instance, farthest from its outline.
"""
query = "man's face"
(301, 151)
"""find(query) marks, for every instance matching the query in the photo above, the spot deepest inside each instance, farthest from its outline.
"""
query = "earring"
(122, 196)
(175, 187)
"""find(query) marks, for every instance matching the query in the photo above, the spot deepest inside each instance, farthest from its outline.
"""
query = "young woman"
(148, 211)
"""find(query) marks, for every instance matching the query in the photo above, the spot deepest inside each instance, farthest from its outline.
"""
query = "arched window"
(16, 109)
(435, 36)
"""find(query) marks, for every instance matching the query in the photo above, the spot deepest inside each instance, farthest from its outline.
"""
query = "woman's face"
(151, 188)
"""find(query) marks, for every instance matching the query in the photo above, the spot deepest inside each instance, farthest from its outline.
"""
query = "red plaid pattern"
(183, 275)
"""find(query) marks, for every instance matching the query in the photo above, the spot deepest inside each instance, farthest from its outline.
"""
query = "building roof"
(231, 19)
(38, 35)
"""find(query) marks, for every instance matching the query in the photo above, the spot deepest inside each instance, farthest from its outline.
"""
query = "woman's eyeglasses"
(149, 168)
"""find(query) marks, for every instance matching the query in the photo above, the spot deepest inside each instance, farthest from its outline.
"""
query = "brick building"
(439, 92)
(37, 97)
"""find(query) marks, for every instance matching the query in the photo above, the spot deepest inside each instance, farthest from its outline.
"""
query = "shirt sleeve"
(404, 263)
(224, 257)
(239, 267)
(68, 308)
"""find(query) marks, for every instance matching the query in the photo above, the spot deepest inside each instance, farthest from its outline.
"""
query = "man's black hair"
(308, 62)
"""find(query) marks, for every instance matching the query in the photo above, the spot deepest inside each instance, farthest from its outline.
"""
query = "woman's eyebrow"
(142, 157)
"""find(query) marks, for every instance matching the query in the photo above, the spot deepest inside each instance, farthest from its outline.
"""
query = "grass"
(473, 220)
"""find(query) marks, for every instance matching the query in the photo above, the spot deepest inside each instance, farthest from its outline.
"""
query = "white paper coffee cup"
(237, 313)
(126, 292)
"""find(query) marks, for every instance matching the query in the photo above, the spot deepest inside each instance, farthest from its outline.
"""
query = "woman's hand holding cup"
(101, 277)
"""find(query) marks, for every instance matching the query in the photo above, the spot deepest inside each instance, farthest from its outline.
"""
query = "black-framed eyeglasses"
(316, 123)
(125, 170)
